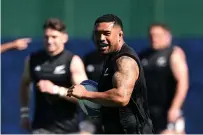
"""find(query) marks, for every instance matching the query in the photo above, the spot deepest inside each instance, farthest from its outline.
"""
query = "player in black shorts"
(122, 88)
(50, 68)
(166, 76)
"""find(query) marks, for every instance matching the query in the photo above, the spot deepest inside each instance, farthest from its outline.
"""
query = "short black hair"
(109, 18)
(162, 25)
(55, 24)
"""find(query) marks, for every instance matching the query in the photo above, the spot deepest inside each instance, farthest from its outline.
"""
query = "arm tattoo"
(127, 72)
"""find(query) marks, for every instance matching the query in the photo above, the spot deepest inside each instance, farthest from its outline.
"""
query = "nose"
(49, 40)
(102, 38)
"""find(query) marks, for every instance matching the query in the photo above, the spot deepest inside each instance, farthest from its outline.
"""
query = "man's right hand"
(21, 43)
(25, 123)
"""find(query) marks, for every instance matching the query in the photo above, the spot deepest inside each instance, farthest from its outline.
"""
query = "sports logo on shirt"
(144, 62)
(105, 73)
(38, 68)
(60, 69)
(90, 68)
(161, 61)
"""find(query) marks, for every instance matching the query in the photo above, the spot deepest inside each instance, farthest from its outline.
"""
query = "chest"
(105, 82)
(56, 71)
(156, 62)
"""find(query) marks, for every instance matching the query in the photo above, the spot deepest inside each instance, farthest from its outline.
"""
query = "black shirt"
(51, 111)
(160, 81)
(132, 117)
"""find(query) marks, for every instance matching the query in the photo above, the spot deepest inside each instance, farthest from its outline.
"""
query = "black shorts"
(56, 127)
(159, 119)
(41, 131)
(145, 127)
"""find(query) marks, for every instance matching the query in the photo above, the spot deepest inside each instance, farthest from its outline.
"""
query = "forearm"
(24, 95)
(181, 92)
(107, 98)
(6, 46)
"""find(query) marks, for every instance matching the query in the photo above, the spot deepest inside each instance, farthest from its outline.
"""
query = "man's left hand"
(46, 86)
(77, 91)
(173, 114)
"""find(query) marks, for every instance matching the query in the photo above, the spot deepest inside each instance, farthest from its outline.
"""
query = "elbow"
(122, 102)
(183, 86)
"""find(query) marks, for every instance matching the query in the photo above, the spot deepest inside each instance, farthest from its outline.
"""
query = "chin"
(49, 51)
(104, 52)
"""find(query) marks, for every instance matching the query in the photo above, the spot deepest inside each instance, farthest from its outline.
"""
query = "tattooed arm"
(127, 72)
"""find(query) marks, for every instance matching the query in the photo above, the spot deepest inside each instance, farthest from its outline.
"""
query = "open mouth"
(102, 48)
(101, 45)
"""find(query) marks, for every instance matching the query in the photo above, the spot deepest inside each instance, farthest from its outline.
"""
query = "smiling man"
(46, 68)
(122, 88)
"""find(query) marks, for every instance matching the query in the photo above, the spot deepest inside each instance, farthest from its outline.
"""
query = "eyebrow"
(104, 30)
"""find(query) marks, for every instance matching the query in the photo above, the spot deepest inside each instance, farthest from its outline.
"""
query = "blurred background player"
(166, 74)
(93, 62)
(47, 68)
(19, 44)
(93, 65)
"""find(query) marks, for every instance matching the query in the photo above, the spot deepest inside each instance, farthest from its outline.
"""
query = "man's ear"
(65, 38)
(121, 34)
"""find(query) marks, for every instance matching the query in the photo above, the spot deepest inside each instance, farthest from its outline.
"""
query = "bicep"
(126, 75)
(77, 69)
(179, 65)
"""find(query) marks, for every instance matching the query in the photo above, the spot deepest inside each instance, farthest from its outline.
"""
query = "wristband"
(24, 115)
(55, 89)
(63, 91)
(24, 109)
(171, 126)
(180, 125)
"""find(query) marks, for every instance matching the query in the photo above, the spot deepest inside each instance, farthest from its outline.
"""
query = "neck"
(56, 52)
(121, 43)
(160, 47)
